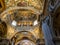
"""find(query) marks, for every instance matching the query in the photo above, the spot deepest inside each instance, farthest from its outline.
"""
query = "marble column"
(47, 32)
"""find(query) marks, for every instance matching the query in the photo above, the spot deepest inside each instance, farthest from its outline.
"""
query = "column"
(47, 32)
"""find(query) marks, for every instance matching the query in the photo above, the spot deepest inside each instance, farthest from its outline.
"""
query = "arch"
(26, 34)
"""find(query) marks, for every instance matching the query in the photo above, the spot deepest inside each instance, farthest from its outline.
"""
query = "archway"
(23, 36)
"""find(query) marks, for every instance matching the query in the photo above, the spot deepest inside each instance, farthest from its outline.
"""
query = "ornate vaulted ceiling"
(21, 17)
(36, 4)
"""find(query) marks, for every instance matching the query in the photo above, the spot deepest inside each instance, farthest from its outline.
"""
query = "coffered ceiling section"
(36, 4)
